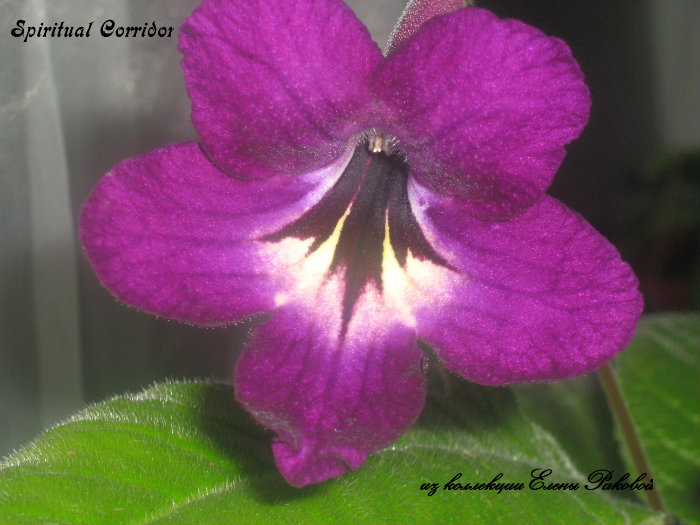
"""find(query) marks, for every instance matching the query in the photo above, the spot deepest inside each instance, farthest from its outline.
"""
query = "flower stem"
(622, 416)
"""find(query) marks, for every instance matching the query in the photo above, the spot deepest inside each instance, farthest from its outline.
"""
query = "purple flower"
(365, 203)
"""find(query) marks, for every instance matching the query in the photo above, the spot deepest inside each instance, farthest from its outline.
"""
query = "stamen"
(375, 145)
(380, 142)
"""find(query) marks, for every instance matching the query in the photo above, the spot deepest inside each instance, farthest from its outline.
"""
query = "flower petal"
(169, 233)
(277, 87)
(483, 107)
(332, 400)
(415, 14)
(542, 297)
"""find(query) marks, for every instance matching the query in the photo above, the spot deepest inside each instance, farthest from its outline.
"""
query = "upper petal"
(541, 297)
(169, 233)
(483, 107)
(277, 87)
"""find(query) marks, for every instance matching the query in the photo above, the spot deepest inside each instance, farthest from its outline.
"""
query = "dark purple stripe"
(373, 185)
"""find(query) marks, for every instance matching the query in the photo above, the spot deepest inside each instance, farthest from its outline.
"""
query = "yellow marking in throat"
(309, 273)
(395, 280)
(318, 262)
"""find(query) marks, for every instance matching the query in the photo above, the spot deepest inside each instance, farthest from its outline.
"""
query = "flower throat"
(370, 197)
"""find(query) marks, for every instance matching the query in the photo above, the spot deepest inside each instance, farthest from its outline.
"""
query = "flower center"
(371, 200)
(377, 142)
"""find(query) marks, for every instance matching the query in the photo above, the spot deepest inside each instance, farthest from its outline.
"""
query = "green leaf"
(577, 415)
(658, 376)
(187, 453)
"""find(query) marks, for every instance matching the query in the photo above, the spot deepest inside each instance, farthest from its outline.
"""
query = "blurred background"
(72, 108)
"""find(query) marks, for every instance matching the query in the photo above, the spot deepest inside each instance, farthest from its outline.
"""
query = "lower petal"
(332, 399)
(540, 297)
(170, 234)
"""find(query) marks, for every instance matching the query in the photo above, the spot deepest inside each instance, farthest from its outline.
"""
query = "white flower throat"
(368, 214)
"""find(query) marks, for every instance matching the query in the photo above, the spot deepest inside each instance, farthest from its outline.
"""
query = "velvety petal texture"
(277, 87)
(540, 297)
(169, 233)
(332, 400)
(482, 108)
(343, 195)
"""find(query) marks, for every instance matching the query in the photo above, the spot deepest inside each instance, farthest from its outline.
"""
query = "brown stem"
(622, 416)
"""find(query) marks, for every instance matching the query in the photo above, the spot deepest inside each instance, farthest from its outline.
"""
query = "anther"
(375, 144)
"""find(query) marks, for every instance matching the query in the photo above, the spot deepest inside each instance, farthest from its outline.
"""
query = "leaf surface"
(187, 453)
(658, 375)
